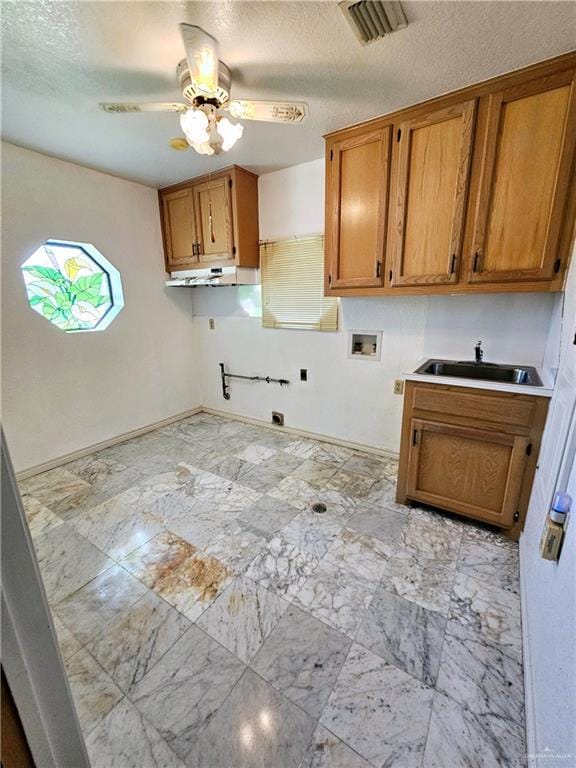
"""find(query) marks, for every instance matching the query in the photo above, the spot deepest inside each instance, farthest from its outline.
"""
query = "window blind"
(293, 286)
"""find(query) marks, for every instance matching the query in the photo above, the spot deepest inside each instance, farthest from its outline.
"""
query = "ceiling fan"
(205, 82)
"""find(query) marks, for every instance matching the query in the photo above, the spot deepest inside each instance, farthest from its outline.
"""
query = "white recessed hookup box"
(364, 345)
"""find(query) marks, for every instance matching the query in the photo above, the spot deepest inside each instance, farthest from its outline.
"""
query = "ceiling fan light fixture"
(202, 149)
(230, 133)
(194, 124)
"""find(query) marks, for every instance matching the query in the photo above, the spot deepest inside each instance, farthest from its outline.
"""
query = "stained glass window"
(73, 286)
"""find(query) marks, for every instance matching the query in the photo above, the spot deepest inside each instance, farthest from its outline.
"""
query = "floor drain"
(319, 507)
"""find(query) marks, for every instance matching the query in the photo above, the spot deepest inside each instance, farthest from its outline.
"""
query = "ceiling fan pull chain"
(210, 221)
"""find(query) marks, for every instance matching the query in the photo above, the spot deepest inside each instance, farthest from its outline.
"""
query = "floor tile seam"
(126, 697)
(442, 645)
(129, 695)
(107, 624)
(350, 747)
(85, 733)
(386, 661)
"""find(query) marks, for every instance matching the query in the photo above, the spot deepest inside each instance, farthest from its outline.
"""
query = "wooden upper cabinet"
(472, 192)
(179, 228)
(213, 204)
(527, 151)
(211, 221)
(356, 208)
(431, 160)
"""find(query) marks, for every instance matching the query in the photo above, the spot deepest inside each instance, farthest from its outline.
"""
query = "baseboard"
(529, 707)
(303, 433)
(67, 458)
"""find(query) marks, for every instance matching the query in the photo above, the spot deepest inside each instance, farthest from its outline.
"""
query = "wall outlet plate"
(278, 418)
(398, 386)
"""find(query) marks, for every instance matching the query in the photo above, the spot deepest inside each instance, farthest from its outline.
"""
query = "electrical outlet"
(211, 323)
(303, 374)
(398, 387)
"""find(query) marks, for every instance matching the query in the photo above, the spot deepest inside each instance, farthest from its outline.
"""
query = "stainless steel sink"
(463, 369)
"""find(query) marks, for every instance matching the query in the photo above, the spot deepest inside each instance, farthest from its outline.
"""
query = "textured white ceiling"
(61, 58)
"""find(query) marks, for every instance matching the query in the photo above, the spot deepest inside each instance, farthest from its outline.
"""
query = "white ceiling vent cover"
(372, 19)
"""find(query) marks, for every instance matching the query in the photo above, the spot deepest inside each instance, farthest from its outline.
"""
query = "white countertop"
(546, 376)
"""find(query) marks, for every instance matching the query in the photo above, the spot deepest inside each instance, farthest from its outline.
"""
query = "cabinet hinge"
(331, 154)
(398, 134)
(528, 449)
(557, 266)
(516, 516)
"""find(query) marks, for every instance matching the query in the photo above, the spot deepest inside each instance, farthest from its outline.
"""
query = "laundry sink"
(463, 369)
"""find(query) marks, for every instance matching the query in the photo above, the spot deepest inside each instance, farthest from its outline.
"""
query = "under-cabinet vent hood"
(216, 276)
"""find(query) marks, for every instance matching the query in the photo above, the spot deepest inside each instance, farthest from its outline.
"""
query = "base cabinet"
(461, 453)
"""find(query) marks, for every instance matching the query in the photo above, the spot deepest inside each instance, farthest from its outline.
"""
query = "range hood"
(216, 276)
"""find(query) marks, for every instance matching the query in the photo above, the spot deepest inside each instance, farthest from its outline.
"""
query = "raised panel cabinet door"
(472, 471)
(356, 209)
(525, 172)
(213, 205)
(179, 228)
(431, 157)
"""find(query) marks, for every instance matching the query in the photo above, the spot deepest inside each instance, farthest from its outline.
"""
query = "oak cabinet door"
(357, 200)
(472, 471)
(213, 205)
(179, 229)
(526, 159)
(431, 159)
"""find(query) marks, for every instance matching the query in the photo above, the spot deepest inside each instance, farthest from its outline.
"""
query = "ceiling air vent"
(372, 19)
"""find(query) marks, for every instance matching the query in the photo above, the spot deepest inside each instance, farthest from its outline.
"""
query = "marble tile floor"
(208, 618)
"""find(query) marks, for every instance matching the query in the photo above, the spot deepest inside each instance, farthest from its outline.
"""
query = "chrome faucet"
(478, 352)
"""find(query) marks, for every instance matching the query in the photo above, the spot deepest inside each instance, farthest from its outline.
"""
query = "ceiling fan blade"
(179, 143)
(152, 106)
(272, 111)
(202, 56)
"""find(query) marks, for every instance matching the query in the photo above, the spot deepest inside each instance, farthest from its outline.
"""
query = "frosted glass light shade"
(230, 133)
(194, 124)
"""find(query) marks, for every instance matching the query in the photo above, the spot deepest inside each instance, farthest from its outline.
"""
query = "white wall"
(63, 392)
(549, 588)
(349, 399)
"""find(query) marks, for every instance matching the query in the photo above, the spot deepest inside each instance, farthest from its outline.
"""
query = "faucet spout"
(478, 352)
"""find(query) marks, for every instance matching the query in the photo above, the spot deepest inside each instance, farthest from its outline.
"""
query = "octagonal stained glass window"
(73, 286)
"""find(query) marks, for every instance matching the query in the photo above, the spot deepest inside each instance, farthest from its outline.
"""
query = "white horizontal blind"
(293, 286)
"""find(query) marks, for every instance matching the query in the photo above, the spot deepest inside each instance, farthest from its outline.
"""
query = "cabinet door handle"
(194, 249)
(414, 436)
(453, 264)
(198, 251)
(476, 261)
(378, 268)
